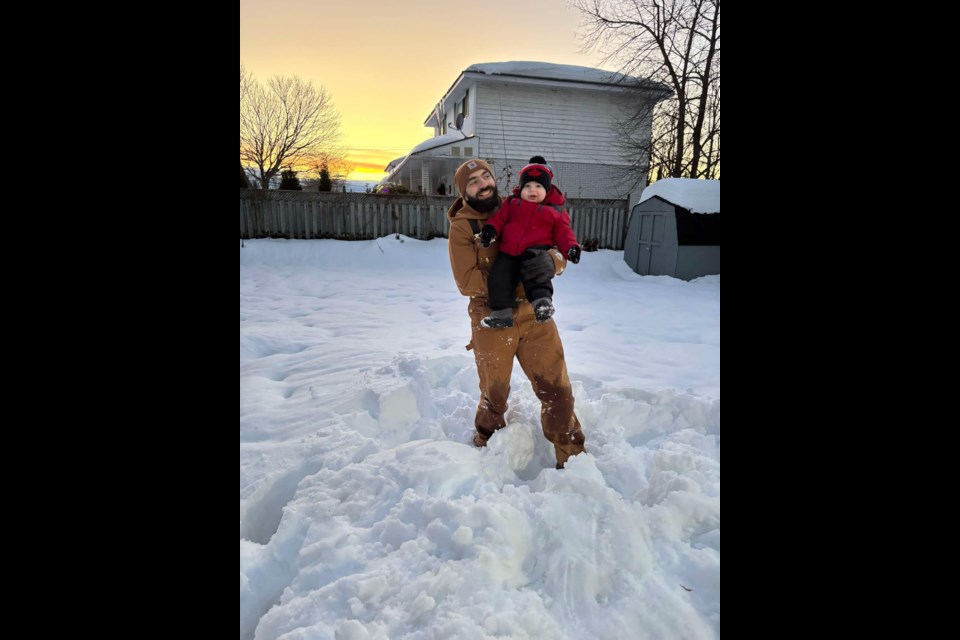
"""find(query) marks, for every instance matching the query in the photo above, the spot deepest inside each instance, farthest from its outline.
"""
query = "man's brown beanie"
(464, 171)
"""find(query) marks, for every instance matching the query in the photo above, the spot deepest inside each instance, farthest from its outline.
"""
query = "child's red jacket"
(521, 224)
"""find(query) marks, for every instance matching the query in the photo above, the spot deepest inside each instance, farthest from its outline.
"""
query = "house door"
(651, 241)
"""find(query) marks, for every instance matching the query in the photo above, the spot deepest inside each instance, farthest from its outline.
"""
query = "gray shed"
(675, 229)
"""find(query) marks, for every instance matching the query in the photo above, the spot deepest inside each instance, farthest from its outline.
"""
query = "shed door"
(651, 241)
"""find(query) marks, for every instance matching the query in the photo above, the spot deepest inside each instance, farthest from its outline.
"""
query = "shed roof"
(696, 196)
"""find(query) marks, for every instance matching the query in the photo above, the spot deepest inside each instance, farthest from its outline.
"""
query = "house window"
(466, 100)
(455, 152)
(467, 151)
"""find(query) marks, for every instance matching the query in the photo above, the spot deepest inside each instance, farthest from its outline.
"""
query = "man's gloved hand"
(537, 265)
(574, 254)
(487, 234)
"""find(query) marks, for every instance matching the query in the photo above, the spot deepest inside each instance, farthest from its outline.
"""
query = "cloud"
(369, 167)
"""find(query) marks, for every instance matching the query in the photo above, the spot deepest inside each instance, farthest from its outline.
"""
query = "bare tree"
(334, 159)
(675, 43)
(711, 149)
(244, 80)
(287, 122)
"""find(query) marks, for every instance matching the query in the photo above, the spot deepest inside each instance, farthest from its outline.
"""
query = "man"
(536, 345)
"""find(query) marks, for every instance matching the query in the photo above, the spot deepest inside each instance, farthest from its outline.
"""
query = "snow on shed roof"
(696, 196)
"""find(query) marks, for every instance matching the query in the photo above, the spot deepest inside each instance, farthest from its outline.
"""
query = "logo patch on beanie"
(471, 165)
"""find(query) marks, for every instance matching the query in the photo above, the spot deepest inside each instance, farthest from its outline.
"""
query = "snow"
(393, 164)
(438, 141)
(365, 512)
(429, 143)
(548, 71)
(696, 196)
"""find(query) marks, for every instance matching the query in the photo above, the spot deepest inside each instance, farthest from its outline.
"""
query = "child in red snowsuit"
(531, 220)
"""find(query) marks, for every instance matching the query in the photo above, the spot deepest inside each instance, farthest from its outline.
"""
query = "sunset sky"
(386, 64)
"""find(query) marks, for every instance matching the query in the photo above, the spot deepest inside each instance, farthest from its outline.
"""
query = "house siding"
(563, 125)
(572, 129)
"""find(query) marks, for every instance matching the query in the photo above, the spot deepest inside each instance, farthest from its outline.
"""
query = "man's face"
(481, 191)
(480, 185)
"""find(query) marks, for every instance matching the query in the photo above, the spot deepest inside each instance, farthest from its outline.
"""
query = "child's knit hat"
(537, 171)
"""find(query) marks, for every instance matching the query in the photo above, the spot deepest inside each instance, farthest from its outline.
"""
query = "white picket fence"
(362, 216)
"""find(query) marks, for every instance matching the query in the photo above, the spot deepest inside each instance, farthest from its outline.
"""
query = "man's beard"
(486, 205)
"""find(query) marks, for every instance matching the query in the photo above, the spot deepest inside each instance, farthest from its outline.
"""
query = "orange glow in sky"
(387, 64)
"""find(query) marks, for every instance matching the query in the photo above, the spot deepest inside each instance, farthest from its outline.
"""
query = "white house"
(510, 111)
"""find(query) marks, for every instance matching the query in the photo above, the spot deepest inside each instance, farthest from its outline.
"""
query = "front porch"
(431, 164)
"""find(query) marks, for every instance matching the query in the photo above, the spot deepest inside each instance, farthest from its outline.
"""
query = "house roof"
(393, 163)
(546, 72)
(696, 196)
(426, 145)
(439, 141)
